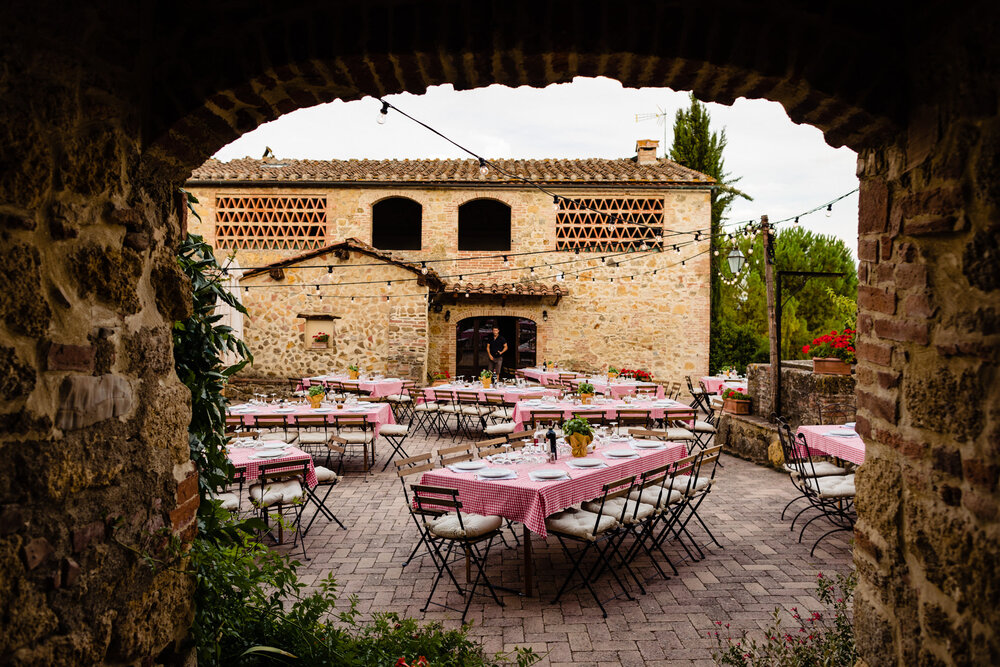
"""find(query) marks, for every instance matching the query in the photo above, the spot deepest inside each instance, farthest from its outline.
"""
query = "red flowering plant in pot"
(735, 402)
(832, 353)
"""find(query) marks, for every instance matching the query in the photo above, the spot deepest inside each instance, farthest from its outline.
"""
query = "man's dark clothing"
(496, 345)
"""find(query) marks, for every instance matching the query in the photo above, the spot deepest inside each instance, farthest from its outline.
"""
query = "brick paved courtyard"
(760, 567)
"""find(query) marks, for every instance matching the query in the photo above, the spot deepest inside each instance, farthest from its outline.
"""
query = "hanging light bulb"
(386, 297)
(829, 210)
(484, 169)
(506, 262)
(676, 248)
(531, 270)
(246, 290)
(466, 295)
(329, 269)
(383, 113)
(555, 203)
(317, 288)
(560, 276)
(682, 262)
(388, 283)
(352, 299)
(423, 268)
(796, 220)
(461, 278)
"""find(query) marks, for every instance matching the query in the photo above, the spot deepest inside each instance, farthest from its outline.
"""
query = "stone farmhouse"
(407, 265)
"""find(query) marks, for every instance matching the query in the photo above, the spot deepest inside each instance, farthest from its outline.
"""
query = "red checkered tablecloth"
(375, 413)
(843, 447)
(544, 377)
(619, 388)
(510, 394)
(529, 502)
(715, 383)
(242, 457)
(657, 409)
(375, 388)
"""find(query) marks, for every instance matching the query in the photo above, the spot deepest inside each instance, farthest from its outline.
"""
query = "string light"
(829, 210)
(383, 114)
(484, 169)
(555, 203)
(796, 220)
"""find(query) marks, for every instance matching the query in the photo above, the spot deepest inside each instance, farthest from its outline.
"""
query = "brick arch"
(371, 49)
(451, 345)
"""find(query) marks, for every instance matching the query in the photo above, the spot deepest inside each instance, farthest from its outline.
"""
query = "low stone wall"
(801, 390)
(240, 389)
(750, 437)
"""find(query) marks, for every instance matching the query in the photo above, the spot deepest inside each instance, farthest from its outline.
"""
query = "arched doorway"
(473, 333)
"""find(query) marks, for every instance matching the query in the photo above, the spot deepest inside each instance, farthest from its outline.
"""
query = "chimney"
(645, 151)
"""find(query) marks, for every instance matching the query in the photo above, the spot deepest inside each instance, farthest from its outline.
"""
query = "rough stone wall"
(380, 335)
(928, 386)
(802, 391)
(657, 322)
(93, 421)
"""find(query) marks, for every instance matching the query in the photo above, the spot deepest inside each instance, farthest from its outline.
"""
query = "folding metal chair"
(426, 413)
(279, 491)
(593, 417)
(596, 531)
(395, 435)
(543, 418)
(835, 413)
(403, 402)
(326, 479)
(356, 430)
(701, 483)
(699, 397)
(274, 427)
(633, 418)
(455, 454)
(313, 435)
(473, 533)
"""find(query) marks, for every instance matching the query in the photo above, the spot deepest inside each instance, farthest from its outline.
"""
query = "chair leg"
(790, 504)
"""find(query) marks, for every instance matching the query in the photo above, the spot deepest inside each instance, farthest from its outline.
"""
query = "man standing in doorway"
(496, 349)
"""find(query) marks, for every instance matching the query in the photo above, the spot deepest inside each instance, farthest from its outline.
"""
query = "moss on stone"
(24, 309)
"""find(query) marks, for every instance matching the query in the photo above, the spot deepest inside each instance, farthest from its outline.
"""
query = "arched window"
(396, 224)
(484, 224)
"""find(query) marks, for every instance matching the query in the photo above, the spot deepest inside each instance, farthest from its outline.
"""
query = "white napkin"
(576, 467)
(513, 475)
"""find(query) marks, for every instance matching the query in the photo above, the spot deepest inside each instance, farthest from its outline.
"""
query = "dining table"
(618, 387)
(528, 500)
(507, 393)
(376, 387)
(841, 442)
(716, 383)
(250, 455)
(658, 408)
(545, 377)
(377, 414)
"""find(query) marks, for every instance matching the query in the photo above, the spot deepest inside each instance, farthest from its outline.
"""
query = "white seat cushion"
(500, 429)
(579, 523)
(677, 434)
(357, 437)
(398, 399)
(820, 468)
(427, 407)
(833, 486)
(613, 508)
(313, 437)
(681, 482)
(448, 407)
(230, 501)
(325, 475)
(652, 494)
(475, 410)
(394, 430)
(285, 492)
(702, 427)
(278, 436)
(447, 526)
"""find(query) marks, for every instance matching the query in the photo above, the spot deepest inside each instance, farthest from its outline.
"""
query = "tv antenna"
(661, 119)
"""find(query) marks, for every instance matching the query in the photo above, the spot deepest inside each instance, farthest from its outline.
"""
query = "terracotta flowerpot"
(579, 443)
(353, 374)
(438, 383)
(586, 398)
(316, 401)
(612, 376)
(319, 345)
(830, 366)
(736, 406)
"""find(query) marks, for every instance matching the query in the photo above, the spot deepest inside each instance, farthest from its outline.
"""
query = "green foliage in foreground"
(250, 606)
(817, 640)
(252, 611)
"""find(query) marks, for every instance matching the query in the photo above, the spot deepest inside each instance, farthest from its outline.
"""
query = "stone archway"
(114, 105)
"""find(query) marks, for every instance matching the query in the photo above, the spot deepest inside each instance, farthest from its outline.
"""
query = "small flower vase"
(586, 398)
(316, 400)
(579, 444)
(487, 382)
(353, 374)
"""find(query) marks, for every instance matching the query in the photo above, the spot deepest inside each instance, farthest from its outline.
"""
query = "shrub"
(577, 426)
(734, 345)
(817, 640)
(316, 390)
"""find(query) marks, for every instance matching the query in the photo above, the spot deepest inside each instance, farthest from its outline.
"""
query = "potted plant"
(735, 402)
(832, 353)
(586, 392)
(486, 377)
(316, 395)
(579, 434)
(612, 372)
(321, 339)
(439, 378)
(353, 371)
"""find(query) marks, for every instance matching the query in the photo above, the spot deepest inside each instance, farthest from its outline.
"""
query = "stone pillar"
(94, 420)
(928, 536)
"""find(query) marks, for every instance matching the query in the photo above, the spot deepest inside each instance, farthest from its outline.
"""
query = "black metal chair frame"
(295, 470)
(313, 495)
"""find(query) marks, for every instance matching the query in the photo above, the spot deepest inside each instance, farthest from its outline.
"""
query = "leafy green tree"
(697, 147)
(812, 306)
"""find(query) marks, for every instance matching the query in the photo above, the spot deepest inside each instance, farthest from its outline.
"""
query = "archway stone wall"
(110, 106)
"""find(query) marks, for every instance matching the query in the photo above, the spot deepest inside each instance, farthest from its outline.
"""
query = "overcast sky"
(787, 168)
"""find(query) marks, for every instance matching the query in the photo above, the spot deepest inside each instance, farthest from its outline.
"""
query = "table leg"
(529, 567)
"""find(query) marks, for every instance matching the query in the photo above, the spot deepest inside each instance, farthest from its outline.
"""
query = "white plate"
(358, 409)
(620, 453)
(469, 465)
(552, 473)
(267, 455)
(850, 425)
(587, 463)
(647, 444)
(493, 473)
(842, 431)
(284, 410)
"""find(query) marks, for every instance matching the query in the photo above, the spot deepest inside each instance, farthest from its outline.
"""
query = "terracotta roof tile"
(626, 170)
(506, 289)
